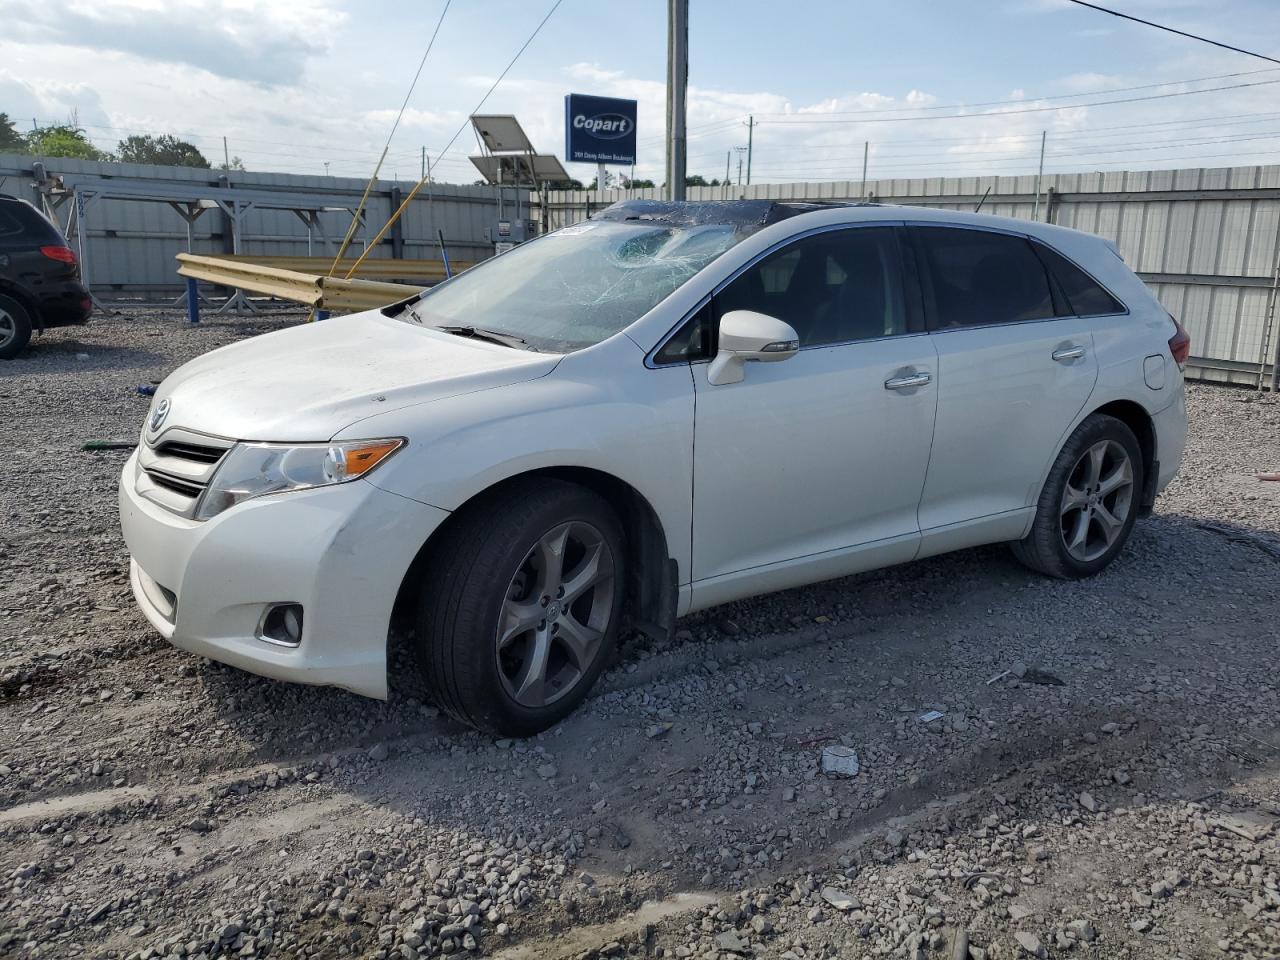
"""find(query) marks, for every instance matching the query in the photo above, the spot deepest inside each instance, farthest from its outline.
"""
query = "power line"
(1181, 33)
(725, 124)
(536, 30)
(1121, 130)
(1060, 96)
(1008, 113)
(418, 186)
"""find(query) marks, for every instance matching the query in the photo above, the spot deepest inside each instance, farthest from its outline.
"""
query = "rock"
(547, 771)
(840, 900)
(1030, 944)
(379, 752)
(761, 925)
(199, 826)
(1087, 801)
(1083, 930)
(732, 942)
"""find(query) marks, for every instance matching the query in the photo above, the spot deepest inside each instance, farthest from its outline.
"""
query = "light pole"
(677, 87)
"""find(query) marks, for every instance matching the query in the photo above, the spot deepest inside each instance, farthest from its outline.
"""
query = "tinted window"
(9, 225)
(691, 342)
(831, 287)
(1085, 297)
(980, 277)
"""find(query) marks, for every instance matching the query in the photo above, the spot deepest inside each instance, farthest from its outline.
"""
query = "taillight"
(61, 254)
(1179, 343)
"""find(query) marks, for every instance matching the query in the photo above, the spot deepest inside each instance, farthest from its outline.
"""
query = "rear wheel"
(15, 327)
(1089, 502)
(519, 612)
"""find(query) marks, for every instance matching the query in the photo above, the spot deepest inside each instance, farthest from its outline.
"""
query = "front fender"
(635, 425)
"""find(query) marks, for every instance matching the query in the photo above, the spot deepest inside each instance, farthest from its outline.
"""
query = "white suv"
(667, 407)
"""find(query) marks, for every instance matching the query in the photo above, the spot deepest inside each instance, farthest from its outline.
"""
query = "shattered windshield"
(577, 286)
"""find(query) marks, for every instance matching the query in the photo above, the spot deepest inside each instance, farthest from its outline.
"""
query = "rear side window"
(980, 278)
(19, 220)
(9, 225)
(1085, 296)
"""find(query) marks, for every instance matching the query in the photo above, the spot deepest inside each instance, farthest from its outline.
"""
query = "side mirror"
(747, 335)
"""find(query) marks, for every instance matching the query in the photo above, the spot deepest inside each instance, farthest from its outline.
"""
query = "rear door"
(23, 231)
(1014, 370)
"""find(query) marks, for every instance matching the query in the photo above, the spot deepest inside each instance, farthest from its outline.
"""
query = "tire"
(1089, 502)
(15, 327)
(494, 569)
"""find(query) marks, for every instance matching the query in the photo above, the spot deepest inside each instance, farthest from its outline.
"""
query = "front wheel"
(520, 609)
(1089, 502)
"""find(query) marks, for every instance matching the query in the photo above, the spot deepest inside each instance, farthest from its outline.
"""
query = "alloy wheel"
(8, 327)
(555, 614)
(1096, 500)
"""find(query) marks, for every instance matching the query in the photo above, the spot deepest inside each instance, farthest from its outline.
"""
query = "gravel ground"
(1116, 793)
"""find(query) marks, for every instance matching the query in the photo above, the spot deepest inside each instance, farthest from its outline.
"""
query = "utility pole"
(866, 148)
(741, 151)
(1035, 211)
(424, 164)
(326, 168)
(677, 88)
(751, 124)
(226, 156)
(728, 154)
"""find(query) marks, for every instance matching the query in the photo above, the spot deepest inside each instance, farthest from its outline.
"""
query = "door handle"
(907, 381)
(1063, 354)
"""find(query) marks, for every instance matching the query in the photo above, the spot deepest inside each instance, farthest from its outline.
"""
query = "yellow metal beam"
(311, 287)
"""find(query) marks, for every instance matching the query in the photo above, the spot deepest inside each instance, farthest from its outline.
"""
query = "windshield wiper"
(493, 336)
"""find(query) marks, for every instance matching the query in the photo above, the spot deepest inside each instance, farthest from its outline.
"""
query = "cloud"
(54, 101)
(266, 44)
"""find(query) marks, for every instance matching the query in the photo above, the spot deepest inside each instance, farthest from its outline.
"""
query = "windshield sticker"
(576, 229)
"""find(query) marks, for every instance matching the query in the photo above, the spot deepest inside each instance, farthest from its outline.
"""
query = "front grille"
(184, 487)
(190, 451)
(175, 471)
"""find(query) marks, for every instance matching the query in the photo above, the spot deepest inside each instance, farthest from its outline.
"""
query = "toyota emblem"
(158, 414)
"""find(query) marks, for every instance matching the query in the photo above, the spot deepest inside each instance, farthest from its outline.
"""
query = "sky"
(931, 87)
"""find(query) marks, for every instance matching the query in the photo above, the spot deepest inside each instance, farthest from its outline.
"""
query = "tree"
(11, 141)
(165, 149)
(629, 184)
(698, 180)
(235, 164)
(63, 140)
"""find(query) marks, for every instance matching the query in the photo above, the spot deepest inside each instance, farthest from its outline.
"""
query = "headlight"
(255, 469)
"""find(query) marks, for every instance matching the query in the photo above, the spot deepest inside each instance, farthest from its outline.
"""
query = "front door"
(813, 467)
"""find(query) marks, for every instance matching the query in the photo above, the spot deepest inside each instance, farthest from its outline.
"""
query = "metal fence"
(1207, 241)
(134, 218)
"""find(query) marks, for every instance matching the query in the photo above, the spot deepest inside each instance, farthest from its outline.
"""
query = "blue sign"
(599, 130)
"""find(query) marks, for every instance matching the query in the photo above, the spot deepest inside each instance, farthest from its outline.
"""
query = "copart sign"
(599, 130)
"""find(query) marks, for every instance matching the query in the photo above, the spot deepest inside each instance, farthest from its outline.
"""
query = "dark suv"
(39, 277)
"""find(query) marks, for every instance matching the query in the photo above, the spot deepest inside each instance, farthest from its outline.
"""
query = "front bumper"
(340, 551)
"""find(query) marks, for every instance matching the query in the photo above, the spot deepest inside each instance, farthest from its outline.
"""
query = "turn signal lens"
(350, 460)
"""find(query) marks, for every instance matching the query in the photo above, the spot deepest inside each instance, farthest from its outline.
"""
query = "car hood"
(308, 382)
